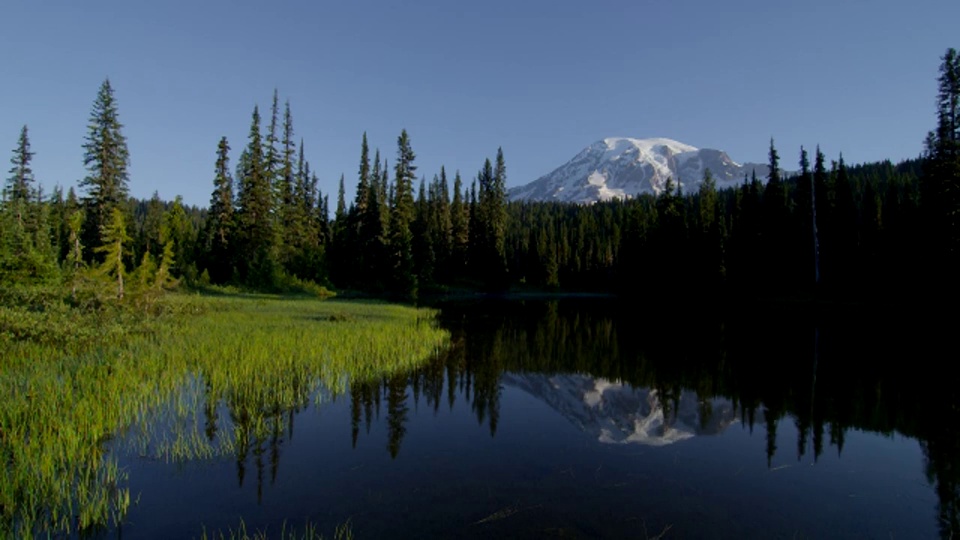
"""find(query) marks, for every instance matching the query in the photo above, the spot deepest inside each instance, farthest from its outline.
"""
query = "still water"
(593, 418)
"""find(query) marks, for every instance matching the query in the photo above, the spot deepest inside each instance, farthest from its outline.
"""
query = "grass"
(309, 532)
(76, 372)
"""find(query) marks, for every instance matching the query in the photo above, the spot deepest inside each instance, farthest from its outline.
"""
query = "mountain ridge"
(625, 167)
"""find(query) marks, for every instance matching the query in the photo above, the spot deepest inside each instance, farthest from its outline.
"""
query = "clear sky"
(542, 79)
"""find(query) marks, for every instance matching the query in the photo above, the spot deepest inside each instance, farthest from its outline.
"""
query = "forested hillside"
(865, 231)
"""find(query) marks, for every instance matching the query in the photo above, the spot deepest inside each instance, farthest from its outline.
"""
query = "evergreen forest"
(869, 231)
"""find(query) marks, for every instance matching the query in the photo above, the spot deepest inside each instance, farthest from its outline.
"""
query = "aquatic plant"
(73, 379)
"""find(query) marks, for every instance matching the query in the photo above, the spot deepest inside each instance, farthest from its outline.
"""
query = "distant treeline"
(868, 230)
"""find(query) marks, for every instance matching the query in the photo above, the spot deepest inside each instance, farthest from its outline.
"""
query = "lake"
(591, 418)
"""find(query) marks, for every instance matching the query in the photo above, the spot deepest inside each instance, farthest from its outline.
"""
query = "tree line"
(830, 227)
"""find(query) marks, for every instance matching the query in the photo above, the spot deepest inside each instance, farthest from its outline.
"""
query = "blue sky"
(542, 79)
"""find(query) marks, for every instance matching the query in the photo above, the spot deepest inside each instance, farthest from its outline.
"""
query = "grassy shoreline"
(74, 379)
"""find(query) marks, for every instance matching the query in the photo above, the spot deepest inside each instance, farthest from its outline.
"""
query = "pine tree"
(775, 229)
(341, 216)
(711, 240)
(164, 276)
(342, 264)
(113, 247)
(441, 226)
(845, 228)
(25, 248)
(774, 193)
(494, 201)
(16, 244)
(71, 205)
(149, 234)
(256, 259)
(106, 158)
(302, 230)
(820, 205)
(423, 255)
(404, 282)
(74, 262)
(57, 217)
(360, 220)
(177, 232)
(290, 219)
(323, 216)
(474, 228)
(460, 229)
(940, 189)
(271, 154)
(19, 191)
(385, 196)
(374, 227)
(802, 262)
(220, 218)
(362, 196)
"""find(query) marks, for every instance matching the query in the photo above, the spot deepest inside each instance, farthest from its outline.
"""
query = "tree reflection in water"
(826, 370)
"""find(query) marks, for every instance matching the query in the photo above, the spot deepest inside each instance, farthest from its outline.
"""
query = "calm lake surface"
(590, 418)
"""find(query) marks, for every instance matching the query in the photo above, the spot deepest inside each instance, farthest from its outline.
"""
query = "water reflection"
(625, 373)
(636, 376)
(618, 413)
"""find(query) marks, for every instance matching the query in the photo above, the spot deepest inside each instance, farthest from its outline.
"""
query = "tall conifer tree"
(256, 248)
(404, 282)
(940, 195)
(460, 228)
(106, 158)
(220, 218)
(19, 190)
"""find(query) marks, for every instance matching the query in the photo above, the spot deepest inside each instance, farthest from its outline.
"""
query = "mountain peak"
(624, 167)
(614, 144)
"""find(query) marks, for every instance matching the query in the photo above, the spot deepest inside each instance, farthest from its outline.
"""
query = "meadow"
(76, 373)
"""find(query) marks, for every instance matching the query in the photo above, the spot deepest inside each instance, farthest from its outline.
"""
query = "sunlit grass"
(73, 379)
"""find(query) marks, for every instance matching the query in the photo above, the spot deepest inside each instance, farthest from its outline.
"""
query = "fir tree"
(373, 227)
(341, 216)
(290, 218)
(776, 228)
(271, 154)
(820, 201)
(423, 255)
(149, 233)
(774, 193)
(362, 196)
(19, 191)
(941, 183)
(177, 232)
(106, 158)
(460, 228)
(404, 282)
(488, 255)
(220, 218)
(256, 246)
(710, 243)
(360, 221)
(74, 260)
(441, 226)
(18, 220)
(113, 247)
(302, 231)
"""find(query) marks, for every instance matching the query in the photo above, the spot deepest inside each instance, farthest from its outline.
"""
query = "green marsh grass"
(309, 532)
(74, 379)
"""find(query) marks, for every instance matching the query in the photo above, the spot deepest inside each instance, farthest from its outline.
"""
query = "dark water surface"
(595, 418)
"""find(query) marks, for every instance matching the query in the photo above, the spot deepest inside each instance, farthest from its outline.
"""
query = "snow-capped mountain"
(624, 167)
(618, 413)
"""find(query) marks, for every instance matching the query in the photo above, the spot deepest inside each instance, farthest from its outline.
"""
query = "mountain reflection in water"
(539, 412)
(614, 412)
